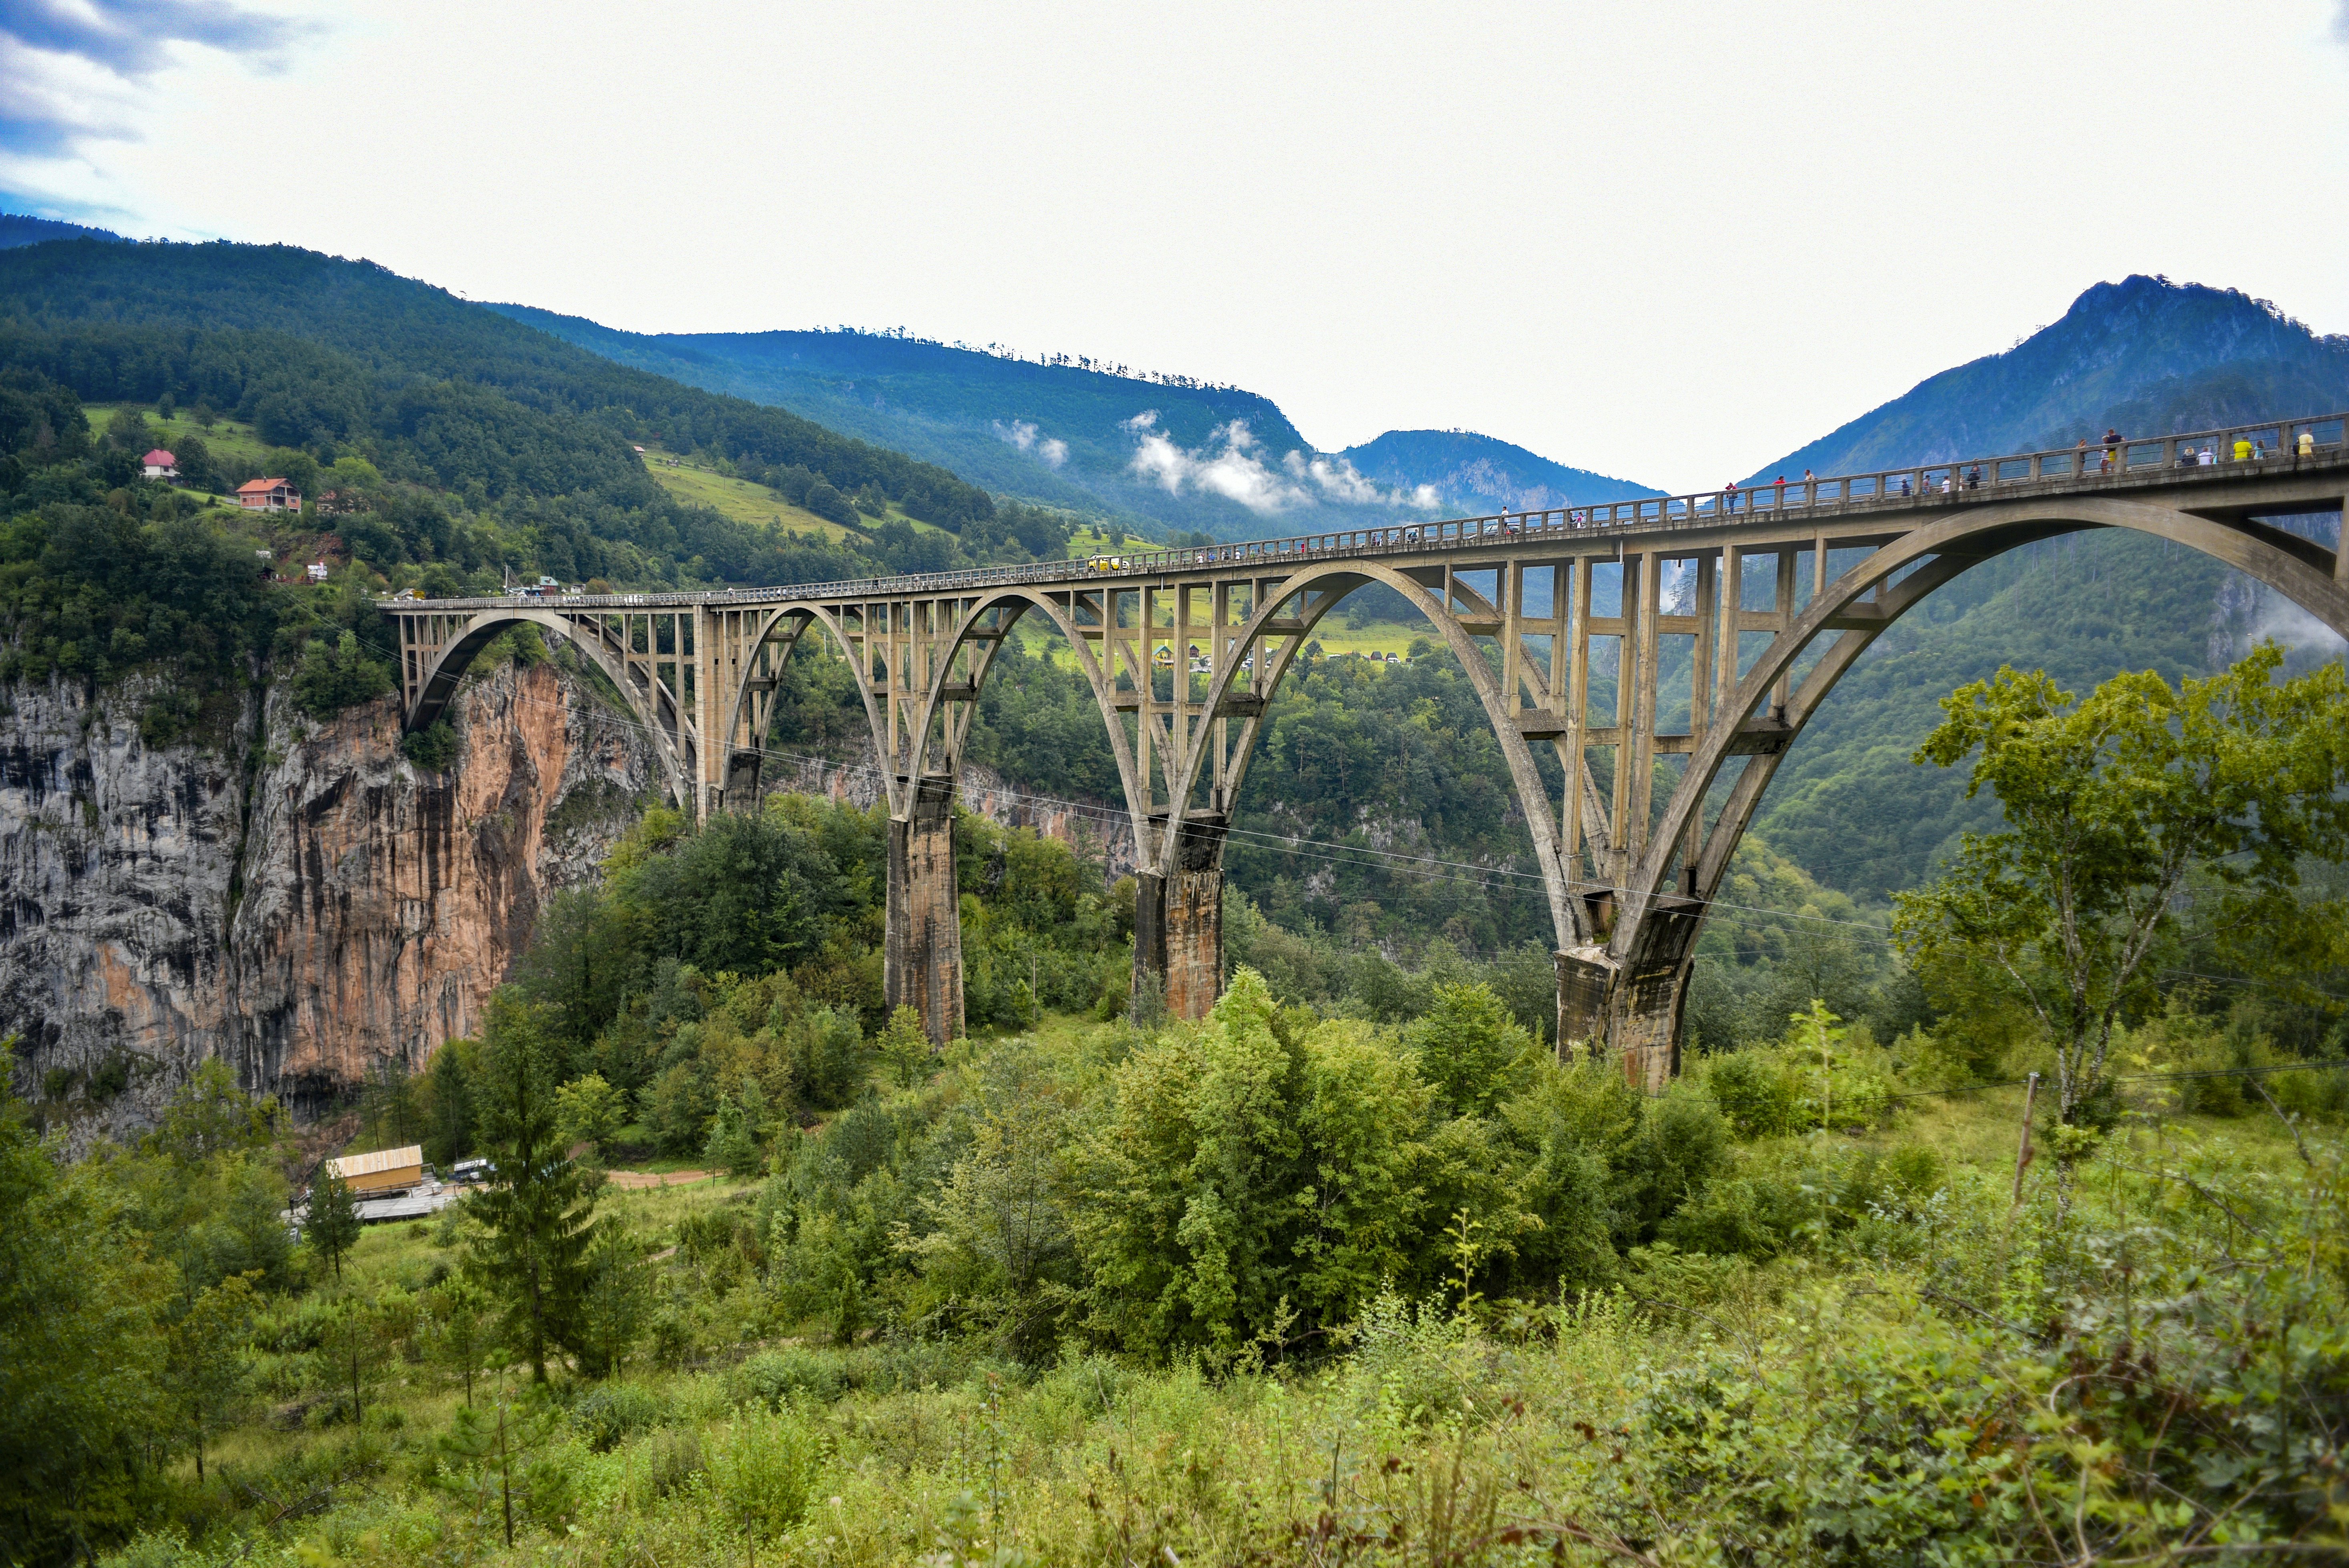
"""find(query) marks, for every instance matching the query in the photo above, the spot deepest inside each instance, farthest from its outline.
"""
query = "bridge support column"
(921, 966)
(1178, 925)
(1631, 1007)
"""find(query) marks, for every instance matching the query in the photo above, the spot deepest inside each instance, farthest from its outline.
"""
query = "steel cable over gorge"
(1776, 591)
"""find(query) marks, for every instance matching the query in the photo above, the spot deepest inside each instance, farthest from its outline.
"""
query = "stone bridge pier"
(921, 966)
(1178, 923)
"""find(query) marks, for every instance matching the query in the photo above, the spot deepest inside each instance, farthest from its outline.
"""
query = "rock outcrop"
(295, 897)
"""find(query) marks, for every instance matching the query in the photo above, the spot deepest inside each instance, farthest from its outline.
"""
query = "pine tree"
(334, 1219)
(460, 1332)
(730, 1146)
(483, 1455)
(538, 1218)
(206, 1369)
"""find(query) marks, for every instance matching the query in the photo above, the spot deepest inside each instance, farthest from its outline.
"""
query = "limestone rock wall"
(299, 899)
(383, 904)
(116, 865)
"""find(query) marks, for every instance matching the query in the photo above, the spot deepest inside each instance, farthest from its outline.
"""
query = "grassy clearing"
(737, 499)
(226, 439)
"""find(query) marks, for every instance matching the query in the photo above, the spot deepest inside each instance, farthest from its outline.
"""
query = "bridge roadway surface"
(1662, 590)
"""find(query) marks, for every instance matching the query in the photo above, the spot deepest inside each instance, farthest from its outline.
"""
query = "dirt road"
(630, 1180)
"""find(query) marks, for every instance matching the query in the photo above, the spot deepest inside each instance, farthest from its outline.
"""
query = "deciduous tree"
(206, 1373)
(2115, 804)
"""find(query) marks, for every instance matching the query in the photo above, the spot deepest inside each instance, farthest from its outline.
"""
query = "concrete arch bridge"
(1762, 597)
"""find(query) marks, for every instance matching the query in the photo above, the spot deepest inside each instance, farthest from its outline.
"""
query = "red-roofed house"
(268, 495)
(161, 464)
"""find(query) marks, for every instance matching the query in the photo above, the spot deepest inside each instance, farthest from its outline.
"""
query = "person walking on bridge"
(1729, 495)
(2308, 443)
(2112, 448)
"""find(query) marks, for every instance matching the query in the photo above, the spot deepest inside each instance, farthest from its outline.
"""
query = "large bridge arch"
(1568, 915)
(986, 622)
(1634, 988)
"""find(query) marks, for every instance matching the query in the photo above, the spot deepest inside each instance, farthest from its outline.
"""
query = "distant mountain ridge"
(1167, 452)
(2145, 355)
(1484, 472)
(22, 229)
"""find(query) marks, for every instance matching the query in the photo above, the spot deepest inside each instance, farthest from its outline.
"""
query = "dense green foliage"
(1302, 1290)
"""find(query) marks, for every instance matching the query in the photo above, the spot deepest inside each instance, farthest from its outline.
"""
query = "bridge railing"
(2260, 447)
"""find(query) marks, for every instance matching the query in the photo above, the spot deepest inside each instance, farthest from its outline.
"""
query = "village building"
(385, 1171)
(161, 465)
(268, 495)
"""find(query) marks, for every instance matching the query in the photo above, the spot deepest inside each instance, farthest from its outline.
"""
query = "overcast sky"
(1668, 242)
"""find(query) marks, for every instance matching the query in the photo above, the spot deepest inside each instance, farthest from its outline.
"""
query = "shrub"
(329, 680)
(608, 1415)
(762, 1468)
(432, 748)
(1755, 1091)
(776, 1377)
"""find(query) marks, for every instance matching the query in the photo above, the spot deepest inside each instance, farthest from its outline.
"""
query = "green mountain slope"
(20, 228)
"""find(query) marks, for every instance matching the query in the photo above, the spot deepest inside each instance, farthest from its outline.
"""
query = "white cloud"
(72, 69)
(1024, 434)
(1233, 473)
(1145, 421)
(2294, 627)
(1228, 465)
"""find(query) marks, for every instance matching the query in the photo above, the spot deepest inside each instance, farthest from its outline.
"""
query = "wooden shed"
(385, 1171)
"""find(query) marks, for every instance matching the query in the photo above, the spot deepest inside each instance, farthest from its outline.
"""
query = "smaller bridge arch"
(434, 658)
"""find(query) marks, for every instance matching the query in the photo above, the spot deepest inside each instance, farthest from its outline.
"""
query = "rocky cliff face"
(299, 900)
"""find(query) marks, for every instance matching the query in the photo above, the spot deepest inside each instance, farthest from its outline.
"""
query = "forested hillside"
(1479, 474)
(19, 229)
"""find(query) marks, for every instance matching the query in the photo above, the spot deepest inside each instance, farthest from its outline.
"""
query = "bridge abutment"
(921, 964)
(1178, 925)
